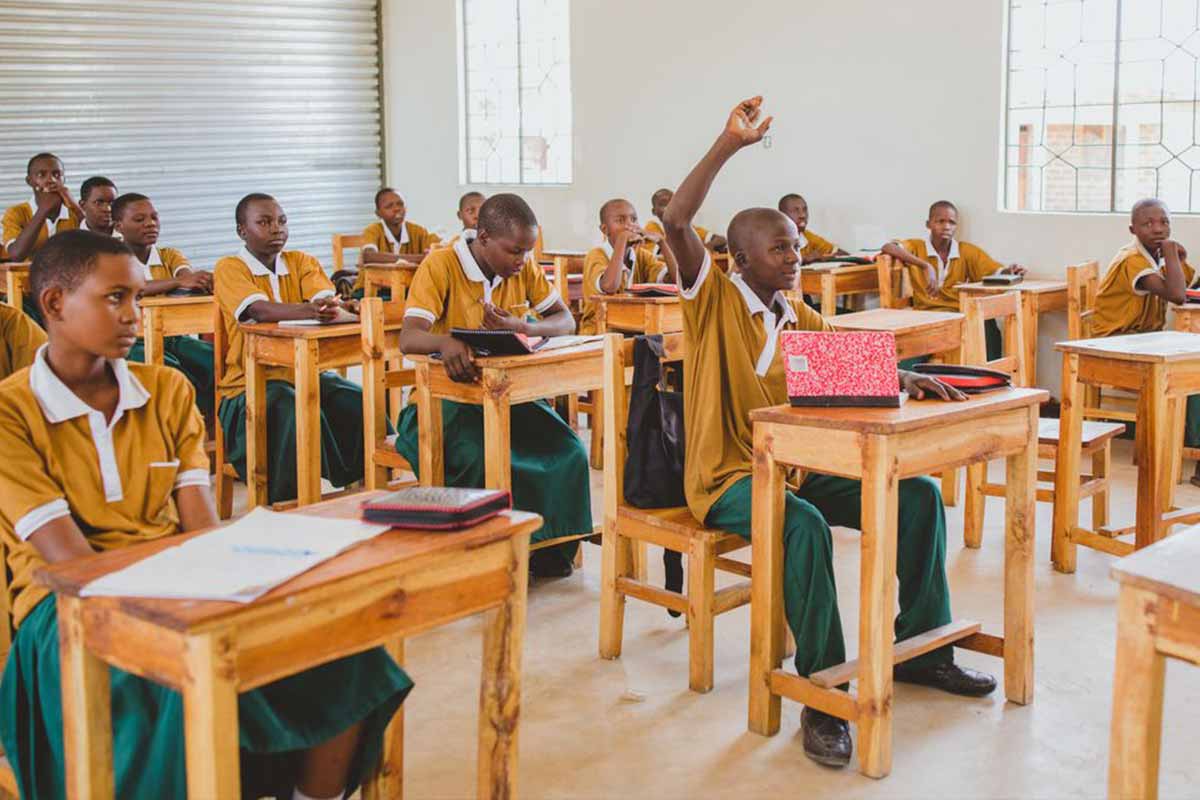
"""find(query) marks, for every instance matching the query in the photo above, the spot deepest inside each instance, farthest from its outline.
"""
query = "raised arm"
(685, 244)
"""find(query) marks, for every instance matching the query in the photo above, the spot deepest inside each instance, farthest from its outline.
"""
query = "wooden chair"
(895, 291)
(223, 473)
(627, 527)
(1097, 436)
(1082, 282)
(342, 242)
(379, 449)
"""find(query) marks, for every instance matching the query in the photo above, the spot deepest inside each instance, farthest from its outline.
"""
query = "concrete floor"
(630, 728)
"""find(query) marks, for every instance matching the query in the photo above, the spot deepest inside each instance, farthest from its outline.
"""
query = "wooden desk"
(1158, 616)
(632, 314)
(880, 447)
(307, 351)
(829, 281)
(164, 316)
(395, 585)
(918, 333)
(1163, 368)
(1037, 298)
(394, 277)
(16, 281)
(1187, 317)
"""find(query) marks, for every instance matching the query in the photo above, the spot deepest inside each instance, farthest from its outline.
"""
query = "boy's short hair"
(942, 204)
(94, 182)
(609, 204)
(239, 213)
(657, 192)
(67, 258)
(787, 198)
(37, 158)
(1143, 204)
(462, 201)
(746, 223)
(502, 213)
(388, 190)
(124, 201)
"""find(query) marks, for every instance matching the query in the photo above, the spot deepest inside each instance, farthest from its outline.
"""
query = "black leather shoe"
(826, 738)
(947, 676)
(550, 563)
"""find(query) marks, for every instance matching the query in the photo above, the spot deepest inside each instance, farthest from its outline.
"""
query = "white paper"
(343, 316)
(238, 562)
(559, 342)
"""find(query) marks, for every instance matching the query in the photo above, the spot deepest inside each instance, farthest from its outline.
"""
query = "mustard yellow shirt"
(241, 280)
(645, 269)
(1121, 307)
(414, 240)
(732, 367)
(20, 337)
(816, 247)
(449, 290)
(20, 215)
(118, 485)
(654, 225)
(163, 263)
(966, 263)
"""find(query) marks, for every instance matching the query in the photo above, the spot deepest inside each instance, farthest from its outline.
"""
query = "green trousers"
(274, 721)
(193, 357)
(809, 592)
(341, 434)
(550, 473)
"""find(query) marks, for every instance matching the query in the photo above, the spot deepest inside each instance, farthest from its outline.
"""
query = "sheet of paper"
(238, 562)
(343, 317)
(558, 342)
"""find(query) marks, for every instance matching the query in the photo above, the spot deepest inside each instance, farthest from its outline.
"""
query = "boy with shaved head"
(658, 204)
(812, 247)
(733, 366)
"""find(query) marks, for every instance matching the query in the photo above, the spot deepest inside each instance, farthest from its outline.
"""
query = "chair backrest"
(220, 352)
(539, 247)
(618, 362)
(375, 316)
(1082, 282)
(894, 288)
(343, 241)
(1006, 307)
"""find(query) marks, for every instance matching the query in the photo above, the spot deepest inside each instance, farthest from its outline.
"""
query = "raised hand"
(744, 123)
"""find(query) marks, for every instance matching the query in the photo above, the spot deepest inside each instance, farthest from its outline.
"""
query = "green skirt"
(193, 357)
(275, 721)
(550, 473)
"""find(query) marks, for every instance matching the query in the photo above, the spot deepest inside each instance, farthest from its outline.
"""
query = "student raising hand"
(743, 122)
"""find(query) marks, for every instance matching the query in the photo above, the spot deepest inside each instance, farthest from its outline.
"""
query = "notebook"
(654, 289)
(436, 507)
(499, 342)
(854, 368)
(842, 260)
(969, 380)
(1002, 279)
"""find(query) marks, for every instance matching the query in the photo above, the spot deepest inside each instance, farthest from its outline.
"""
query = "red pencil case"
(971, 380)
(442, 508)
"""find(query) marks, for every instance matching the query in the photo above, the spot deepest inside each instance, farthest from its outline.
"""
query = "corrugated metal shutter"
(196, 104)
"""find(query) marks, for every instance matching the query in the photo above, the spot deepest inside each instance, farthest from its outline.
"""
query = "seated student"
(1143, 277)
(20, 337)
(490, 282)
(166, 270)
(27, 226)
(732, 367)
(621, 260)
(658, 204)
(468, 214)
(938, 264)
(70, 492)
(265, 283)
(392, 236)
(96, 197)
(795, 208)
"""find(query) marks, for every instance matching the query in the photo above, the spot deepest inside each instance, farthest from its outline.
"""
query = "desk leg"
(828, 295)
(497, 432)
(1029, 312)
(1154, 449)
(87, 711)
(210, 718)
(388, 781)
(12, 289)
(1020, 512)
(766, 583)
(152, 337)
(430, 451)
(308, 422)
(500, 684)
(1066, 467)
(256, 429)
(369, 288)
(877, 612)
(1133, 751)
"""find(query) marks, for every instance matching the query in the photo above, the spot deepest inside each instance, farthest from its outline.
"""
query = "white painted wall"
(880, 109)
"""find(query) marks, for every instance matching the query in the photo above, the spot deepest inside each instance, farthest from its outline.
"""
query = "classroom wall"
(880, 109)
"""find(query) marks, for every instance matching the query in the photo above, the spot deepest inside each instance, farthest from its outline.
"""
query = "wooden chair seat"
(1095, 434)
(676, 524)
(386, 456)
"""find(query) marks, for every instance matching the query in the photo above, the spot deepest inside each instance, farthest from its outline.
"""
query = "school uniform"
(549, 464)
(117, 480)
(732, 367)
(188, 354)
(18, 216)
(466, 233)
(20, 338)
(814, 246)
(83, 226)
(1122, 307)
(240, 281)
(413, 240)
(641, 266)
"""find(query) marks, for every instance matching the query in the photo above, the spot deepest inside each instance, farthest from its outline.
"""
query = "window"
(1102, 104)
(515, 73)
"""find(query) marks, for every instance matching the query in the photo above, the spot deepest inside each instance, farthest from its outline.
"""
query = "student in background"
(490, 282)
(658, 204)
(1143, 277)
(70, 492)
(468, 214)
(621, 260)
(96, 197)
(166, 270)
(265, 283)
(20, 337)
(938, 263)
(733, 366)
(795, 208)
(392, 236)
(27, 226)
